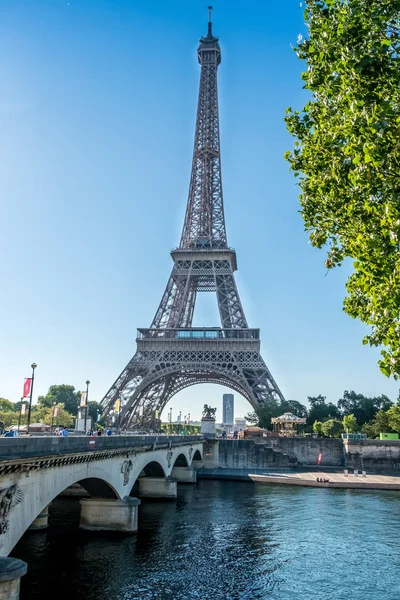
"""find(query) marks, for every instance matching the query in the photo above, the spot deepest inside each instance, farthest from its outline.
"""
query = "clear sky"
(97, 113)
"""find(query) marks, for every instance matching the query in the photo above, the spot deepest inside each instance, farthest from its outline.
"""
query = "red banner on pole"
(27, 387)
(319, 458)
(55, 411)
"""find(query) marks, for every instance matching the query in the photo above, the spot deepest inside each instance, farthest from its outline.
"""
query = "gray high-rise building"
(227, 409)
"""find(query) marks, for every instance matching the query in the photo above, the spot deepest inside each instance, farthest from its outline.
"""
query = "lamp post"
(170, 420)
(86, 404)
(33, 365)
(52, 417)
(117, 409)
(20, 413)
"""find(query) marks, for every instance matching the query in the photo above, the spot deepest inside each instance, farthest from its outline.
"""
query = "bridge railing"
(31, 446)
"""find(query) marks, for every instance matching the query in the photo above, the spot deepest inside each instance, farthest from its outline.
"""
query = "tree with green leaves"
(252, 418)
(350, 424)
(347, 156)
(394, 418)
(263, 414)
(332, 428)
(8, 418)
(320, 410)
(61, 394)
(94, 409)
(7, 405)
(363, 408)
(317, 428)
(294, 407)
(379, 424)
(45, 415)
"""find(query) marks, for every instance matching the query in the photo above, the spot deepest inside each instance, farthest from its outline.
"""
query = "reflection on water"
(225, 540)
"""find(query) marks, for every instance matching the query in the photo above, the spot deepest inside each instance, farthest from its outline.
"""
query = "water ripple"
(226, 541)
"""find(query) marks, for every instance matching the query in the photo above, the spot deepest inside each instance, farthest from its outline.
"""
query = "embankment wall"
(372, 455)
(279, 452)
(369, 455)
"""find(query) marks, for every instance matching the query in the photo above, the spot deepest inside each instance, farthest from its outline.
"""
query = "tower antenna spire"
(210, 9)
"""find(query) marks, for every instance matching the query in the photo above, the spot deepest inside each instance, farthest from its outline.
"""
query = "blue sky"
(97, 112)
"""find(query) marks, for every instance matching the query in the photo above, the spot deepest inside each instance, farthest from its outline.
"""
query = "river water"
(225, 540)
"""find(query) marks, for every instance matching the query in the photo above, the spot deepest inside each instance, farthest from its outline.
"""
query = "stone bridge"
(111, 470)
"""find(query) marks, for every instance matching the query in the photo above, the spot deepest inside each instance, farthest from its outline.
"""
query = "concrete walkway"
(337, 479)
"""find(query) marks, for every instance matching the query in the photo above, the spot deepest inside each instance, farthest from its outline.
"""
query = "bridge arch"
(35, 492)
(154, 469)
(197, 456)
(111, 475)
(181, 461)
(97, 488)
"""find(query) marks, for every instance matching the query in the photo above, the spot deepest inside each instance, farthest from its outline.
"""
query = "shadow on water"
(224, 540)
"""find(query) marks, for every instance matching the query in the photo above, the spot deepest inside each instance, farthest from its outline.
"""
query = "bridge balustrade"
(25, 447)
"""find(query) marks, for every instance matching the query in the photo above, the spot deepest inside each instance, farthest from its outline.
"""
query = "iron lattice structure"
(172, 355)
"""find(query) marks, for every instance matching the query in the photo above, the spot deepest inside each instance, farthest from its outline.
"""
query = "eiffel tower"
(172, 355)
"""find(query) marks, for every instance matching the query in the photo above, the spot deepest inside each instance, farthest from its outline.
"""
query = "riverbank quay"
(281, 453)
(306, 478)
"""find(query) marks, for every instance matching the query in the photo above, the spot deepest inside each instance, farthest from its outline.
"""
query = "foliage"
(8, 418)
(317, 428)
(40, 414)
(266, 412)
(7, 405)
(191, 429)
(320, 410)
(44, 415)
(263, 414)
(252, 418)
(350, 424)
(394, 418)
(17, 405)
(347, 152)
(332, 428)
(294, 407)
(94, 409)
(363, 408)
(62, 394)
(380, 424)
(181, 428)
